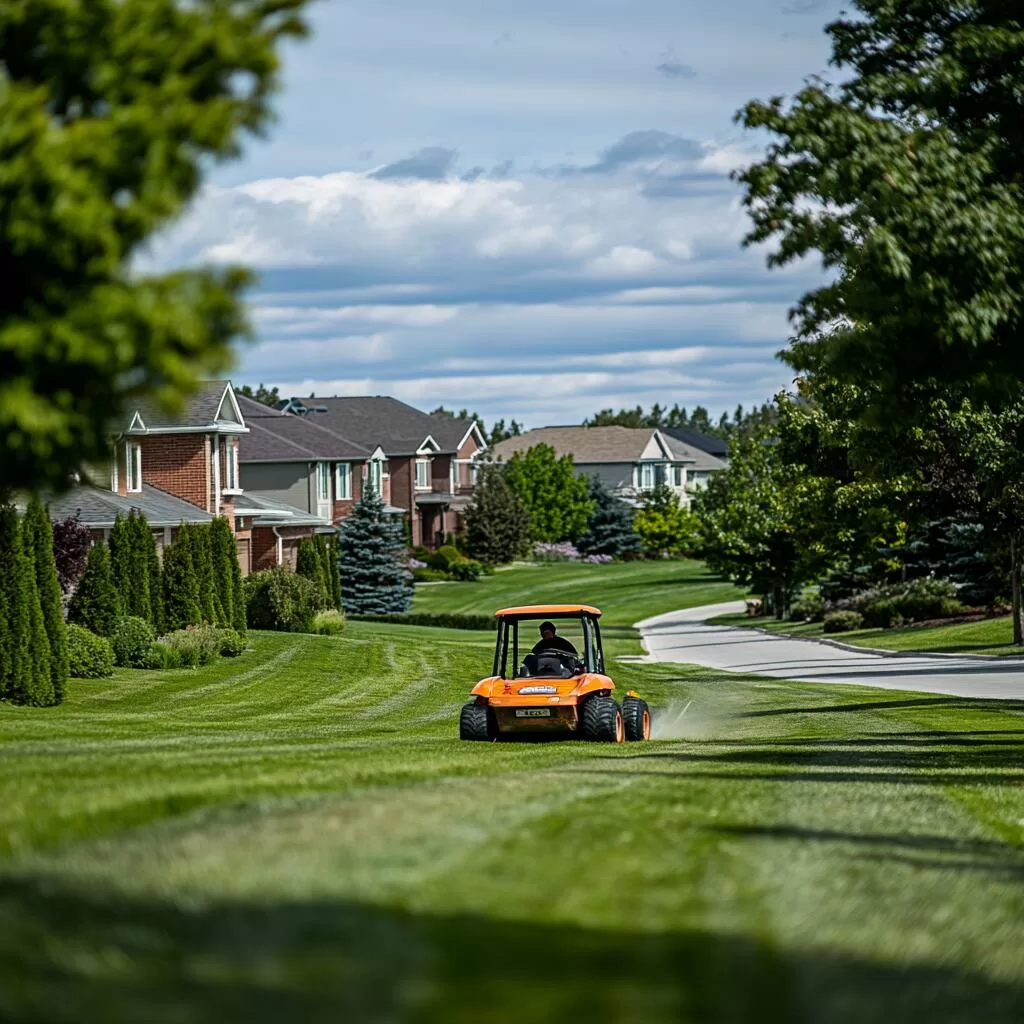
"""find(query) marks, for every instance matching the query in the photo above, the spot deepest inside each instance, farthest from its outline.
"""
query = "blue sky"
(519, 207)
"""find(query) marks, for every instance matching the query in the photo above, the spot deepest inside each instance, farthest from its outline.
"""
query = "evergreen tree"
(372, 560)
(323, 550)
(39, 544)
(227, 574)
(181, 586)
(497, 524)
(202, 561)
(310, 565)
(128, 567)
(14, 610)
(148, 562)
(37, 679)
(95, 603)
(610, 530)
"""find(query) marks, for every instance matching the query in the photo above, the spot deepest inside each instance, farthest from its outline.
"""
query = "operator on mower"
(549, 641)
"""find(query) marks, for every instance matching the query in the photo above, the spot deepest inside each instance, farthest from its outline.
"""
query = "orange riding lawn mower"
(553, 684)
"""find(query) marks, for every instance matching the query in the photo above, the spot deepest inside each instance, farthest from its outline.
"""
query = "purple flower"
(415, 563)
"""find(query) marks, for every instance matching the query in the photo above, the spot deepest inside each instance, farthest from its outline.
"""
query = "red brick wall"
(402, 472)
(440, 468)
(178, 464)
(264, 548)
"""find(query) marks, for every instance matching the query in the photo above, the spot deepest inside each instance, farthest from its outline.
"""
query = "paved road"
(685, 636)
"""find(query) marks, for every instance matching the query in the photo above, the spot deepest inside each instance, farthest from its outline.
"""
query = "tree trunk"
(1015, 585)
(778, 606)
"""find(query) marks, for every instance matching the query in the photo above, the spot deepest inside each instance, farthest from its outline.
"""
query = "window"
(323, 481)
(678, 476)
(231, 463)
(647, 477)
(453, 477)
(376, 476)
(132, 467)
(342, 481)
(423, 474)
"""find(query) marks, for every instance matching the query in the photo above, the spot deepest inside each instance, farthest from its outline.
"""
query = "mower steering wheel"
(576, 662)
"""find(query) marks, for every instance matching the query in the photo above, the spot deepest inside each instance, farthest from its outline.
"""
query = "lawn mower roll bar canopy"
(507, 654)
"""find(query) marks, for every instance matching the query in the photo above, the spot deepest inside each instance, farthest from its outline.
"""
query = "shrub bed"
(442, 620)
(843, 622)
(328, 623)
(132, 639)
(282, 601)
(191, 647)
(89, 656)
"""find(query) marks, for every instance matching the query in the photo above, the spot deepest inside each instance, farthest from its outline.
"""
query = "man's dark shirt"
(556, 643)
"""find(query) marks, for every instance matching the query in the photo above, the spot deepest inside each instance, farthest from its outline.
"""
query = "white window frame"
(230, 464)
(647, 476)
(132, 467)
(453, 477)
(323, 481)
(342, 481)
(423, 464)
(375, 478)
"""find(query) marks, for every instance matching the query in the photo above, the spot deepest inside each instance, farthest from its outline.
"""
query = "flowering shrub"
(415, 563)
(560, 552)
(598, 559)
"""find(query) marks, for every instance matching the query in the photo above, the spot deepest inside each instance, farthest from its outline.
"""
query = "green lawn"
(626, 592)
(296, 835)
(987, 636)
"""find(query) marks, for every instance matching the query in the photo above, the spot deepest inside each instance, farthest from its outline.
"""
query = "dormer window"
(231, 464)
(423, 474)
(133, 467)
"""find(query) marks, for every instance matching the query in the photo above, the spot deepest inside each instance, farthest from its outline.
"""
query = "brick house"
(182, 468)
(424, 467)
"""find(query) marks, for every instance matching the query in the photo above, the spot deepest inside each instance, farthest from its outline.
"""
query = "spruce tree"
(610, 530)
(497, 523)
(373, 560)
(14, 610)
(181, 586)
(309, 564)
(38, 533)
(95, 603)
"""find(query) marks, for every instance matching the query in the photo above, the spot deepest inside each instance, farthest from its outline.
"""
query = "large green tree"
(555, 497)
(110, 109)
(905, 179)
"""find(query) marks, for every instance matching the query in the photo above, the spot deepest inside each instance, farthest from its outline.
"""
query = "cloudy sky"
(518, 206)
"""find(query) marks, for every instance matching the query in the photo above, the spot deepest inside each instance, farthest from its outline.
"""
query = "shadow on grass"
(1000, 860)
(72, 954)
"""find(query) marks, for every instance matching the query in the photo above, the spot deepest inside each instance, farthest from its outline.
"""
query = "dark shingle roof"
(695, 439)
(448, 431)
(254, 501)
(99, 508)
(281, 437)
(700, 459)
(200, 409)
(378, 420)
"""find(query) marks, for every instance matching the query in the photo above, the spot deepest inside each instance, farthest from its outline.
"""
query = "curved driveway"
(686, 637)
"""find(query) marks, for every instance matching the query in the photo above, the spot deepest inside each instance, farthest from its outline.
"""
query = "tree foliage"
(96, 604)
(664, 527)
(110, 111)
(905, 179)
(263, 395)
(71, 542)
(227, 575)
(610, 530)
(497, 524)
(742, 420)
(310, 564)
(373, 573)
(182, 605)
(38, 542)
(556, 499)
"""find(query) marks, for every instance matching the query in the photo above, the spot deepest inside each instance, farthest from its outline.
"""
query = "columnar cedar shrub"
(181, 586)
(95, 603)
(128, 567)
(334, 571)
(497, 523)
(71, 543)
(610, 529)
(39, 544)
(202, 560)
(373, 573)
(309, 564)
(227, 574)
(145, 546)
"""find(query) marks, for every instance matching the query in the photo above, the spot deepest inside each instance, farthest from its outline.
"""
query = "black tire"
(601, 720)
(636, 719)
(476, 722)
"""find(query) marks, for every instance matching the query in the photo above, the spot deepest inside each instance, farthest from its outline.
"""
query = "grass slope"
(626, 592)
(986, 636)
(296, 835)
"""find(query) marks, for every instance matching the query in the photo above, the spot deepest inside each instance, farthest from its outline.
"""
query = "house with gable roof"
(427, 470)
(629, 461)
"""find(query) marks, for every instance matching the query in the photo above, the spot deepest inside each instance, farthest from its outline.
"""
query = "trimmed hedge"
(283, 601)
(843, 622)
(89, 656)
(132, 638)
(441, 620)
